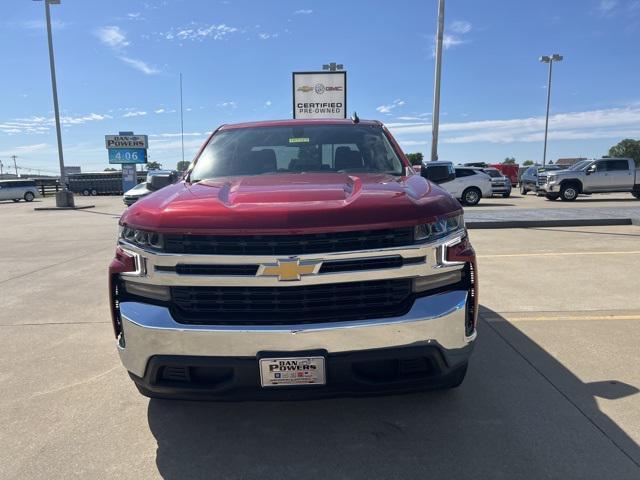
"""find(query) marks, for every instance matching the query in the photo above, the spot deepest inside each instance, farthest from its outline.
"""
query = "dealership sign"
(320, 94)
(126, 141)
(127, 148)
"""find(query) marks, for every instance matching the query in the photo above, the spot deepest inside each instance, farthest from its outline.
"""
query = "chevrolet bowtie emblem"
(289, 269)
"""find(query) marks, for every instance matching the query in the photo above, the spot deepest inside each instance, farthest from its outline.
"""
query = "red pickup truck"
(297, 258)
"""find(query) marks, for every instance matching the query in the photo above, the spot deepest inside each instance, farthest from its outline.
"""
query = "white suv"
(467, 184)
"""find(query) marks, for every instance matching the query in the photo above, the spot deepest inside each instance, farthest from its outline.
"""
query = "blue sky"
(118, 64)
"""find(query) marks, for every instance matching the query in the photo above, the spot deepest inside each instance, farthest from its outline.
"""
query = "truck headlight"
(551, 179)
(443, 227)
(141, 238)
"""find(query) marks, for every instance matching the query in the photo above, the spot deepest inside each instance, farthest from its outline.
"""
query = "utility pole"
(15, 166)
(435, 123)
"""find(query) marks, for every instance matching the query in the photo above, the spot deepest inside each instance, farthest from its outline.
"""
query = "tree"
(628, 148)
(154, 166)
(182, 165)
(527, 163)
(415, 158)
(509, 161)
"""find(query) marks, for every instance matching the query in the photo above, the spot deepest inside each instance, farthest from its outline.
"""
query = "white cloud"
(303, 12)
(267, 103)
(199, 33)
(267, 36)
(391, 106)
(134, 16)
(606, 123)
(112, 36)
(449, 41)
(135, 113)
(607, 6)
(140, 65)
(160, 110)
(461, 26)
(229, 104)
(40, 124)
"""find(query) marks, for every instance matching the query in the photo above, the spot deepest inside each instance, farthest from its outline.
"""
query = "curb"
(83, 207)
(586, 222)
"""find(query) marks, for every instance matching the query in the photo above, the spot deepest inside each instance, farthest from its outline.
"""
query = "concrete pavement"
(552, 391)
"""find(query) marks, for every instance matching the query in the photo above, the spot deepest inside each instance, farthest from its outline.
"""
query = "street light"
(64, 198)
(435, 118)
(333, 66)
(548, 59)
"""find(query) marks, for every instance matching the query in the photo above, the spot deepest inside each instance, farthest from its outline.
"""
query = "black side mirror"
(159, 181)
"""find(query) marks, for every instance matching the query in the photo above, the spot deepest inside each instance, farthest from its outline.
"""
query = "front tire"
(29, 196)
(506, 195)
(552, 196)
(471, 196)
(523, 191)
(636, 194)
(568, 193)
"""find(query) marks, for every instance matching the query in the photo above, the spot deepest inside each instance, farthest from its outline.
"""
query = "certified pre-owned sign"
(126, 141)
(319, 94)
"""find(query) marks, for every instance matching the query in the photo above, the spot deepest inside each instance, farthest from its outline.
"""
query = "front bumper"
(435, 325)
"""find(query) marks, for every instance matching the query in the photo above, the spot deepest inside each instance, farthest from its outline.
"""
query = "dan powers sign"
(319, 94)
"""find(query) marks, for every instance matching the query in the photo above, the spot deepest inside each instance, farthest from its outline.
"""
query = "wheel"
(15, 200)
(94, 192)
(29, 196)
(523, 191)
(636, 194)
(552, 196)
(506, 195)
(471, 196)
(568, 193)
(456, 379)
(85, 192)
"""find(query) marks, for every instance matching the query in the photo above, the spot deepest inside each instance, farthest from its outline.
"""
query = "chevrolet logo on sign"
(290, 269)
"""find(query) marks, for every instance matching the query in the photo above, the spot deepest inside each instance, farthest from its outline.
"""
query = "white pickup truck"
(604, 175)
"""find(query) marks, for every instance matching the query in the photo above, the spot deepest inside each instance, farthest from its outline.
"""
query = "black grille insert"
(282, 305)
(288, 244)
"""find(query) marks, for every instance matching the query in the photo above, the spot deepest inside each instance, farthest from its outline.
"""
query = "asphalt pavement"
(552, 390)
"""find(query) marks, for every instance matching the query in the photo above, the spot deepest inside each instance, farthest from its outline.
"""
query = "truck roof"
(298, 122)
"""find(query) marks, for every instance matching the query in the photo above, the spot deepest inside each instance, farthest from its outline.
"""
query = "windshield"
(297, 149)
(581, 165)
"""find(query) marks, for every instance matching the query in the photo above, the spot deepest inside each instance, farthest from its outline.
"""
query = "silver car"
(17, 190)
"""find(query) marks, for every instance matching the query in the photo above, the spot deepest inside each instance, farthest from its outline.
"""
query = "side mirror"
(437, 175)
(159, 181)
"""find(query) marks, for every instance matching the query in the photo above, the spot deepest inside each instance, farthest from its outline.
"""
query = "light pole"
(435, 123)
(64, 198)
(548, 59)
(333, 66)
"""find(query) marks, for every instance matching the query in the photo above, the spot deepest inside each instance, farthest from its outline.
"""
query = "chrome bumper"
(435, 320)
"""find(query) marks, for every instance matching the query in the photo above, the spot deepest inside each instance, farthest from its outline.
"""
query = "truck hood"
(291, 203)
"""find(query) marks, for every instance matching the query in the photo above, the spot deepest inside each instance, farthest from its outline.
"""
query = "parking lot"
(552, 390)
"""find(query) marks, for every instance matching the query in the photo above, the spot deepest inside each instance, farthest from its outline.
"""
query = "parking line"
(556, 254)
(496, 318)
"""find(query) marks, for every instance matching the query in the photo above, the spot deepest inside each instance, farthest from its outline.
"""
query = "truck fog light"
(431, 282)
(156, 292)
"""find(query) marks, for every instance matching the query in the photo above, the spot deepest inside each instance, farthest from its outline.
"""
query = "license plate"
(281, 372)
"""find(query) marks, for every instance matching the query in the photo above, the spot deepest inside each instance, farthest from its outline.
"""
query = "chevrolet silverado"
(296, 258)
